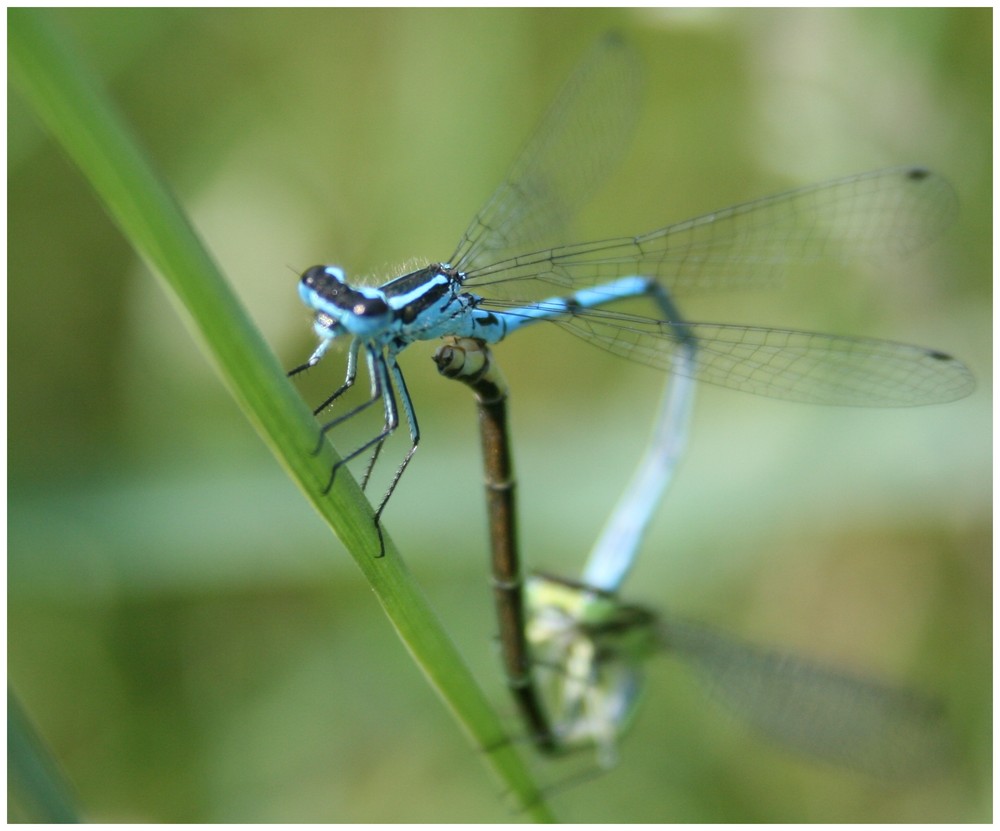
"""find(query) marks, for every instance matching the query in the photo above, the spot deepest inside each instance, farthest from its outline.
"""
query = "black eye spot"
(313, 275)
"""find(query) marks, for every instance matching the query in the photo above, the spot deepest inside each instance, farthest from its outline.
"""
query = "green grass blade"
(72, 104)
(36, 787)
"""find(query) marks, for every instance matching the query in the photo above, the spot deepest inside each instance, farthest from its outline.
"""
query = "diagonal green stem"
(73, 105)
(36, 787)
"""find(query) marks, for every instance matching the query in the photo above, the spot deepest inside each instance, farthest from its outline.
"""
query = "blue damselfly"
(488, 288)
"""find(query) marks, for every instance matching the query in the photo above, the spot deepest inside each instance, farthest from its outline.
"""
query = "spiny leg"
(349, 378)
(371, 465)
(314, 359)
(411, 420)
(381, 386)
(377, 376)
(352, 373)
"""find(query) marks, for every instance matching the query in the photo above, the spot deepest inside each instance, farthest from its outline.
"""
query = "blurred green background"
(185, 632)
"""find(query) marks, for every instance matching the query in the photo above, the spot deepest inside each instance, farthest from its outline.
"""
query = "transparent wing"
(876, 215)
(778, 363)
(885, 731)
(571, 152)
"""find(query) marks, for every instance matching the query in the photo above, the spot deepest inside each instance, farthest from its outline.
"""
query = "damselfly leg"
(385, 375)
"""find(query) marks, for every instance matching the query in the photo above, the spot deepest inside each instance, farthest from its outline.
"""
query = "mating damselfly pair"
(497, 282)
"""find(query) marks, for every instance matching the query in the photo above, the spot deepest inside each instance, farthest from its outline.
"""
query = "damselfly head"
(339, 306)
(589, 648)
(323, 279)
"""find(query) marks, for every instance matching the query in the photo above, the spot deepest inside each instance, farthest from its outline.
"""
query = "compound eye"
(322, 277)
(311, 275)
